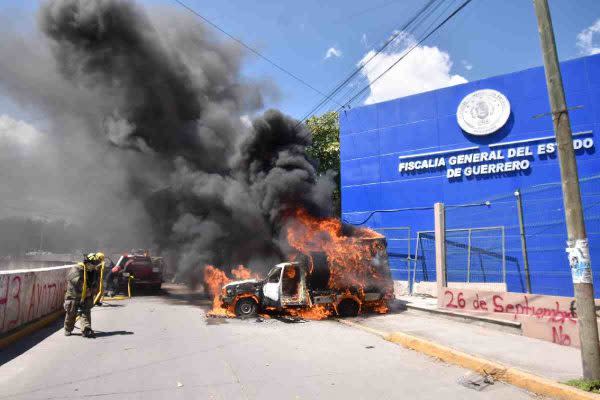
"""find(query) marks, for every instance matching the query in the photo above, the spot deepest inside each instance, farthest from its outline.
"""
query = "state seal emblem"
(483, 112)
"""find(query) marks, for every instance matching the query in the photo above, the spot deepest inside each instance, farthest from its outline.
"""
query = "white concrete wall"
(401, 288)
(430, 288)
(29, 294)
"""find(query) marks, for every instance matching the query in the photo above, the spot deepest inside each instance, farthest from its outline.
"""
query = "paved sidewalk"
(545, 359)
(429, 305)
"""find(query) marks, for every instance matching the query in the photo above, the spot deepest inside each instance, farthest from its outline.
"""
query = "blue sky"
(488, 38)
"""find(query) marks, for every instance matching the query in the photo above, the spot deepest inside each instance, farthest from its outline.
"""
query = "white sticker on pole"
(579, 261)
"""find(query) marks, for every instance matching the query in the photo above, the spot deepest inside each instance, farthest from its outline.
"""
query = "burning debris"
(160, 109)
(351, 252)
(336, 270)
(215, 280)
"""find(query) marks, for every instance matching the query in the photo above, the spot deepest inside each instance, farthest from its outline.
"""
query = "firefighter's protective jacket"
(76, 277)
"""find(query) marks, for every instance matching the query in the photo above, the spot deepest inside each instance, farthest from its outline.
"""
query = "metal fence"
(533, 223)
(473, 255)
(516, 239)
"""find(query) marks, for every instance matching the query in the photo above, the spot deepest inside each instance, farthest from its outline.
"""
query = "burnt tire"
(246, 308)
(348, 308)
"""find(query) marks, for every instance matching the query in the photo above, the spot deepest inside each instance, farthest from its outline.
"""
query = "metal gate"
(473, 255)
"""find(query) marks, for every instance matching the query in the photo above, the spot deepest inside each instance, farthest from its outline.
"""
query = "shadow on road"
(182, 295)
(143, 292)
(23, 345)
(101, 334)
(398, 306)
(109, 305)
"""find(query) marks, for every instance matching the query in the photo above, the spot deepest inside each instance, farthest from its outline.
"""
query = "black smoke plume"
(167, 102)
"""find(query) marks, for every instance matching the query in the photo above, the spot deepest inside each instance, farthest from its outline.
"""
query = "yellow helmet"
(94, 259)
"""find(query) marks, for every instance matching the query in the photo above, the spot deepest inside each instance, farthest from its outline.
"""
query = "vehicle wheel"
(246, 307)
(156, 288)
(348, 308)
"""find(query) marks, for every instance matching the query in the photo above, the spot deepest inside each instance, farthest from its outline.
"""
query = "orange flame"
(349, 257)
(215, 279)
(317, 312)
(241, 272)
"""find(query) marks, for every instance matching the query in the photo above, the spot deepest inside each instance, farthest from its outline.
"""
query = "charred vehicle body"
(313, 281)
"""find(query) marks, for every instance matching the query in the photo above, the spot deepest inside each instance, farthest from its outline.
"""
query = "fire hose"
(100, 295)
(129, 280)
(101, 288)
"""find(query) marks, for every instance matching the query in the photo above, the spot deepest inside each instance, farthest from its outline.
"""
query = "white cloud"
(585, 40)
(17, 132)
(363, 40)
(333, 52)
(423, 69)
(468, 66)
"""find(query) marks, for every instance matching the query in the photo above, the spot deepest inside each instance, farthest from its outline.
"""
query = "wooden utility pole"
(577, 245)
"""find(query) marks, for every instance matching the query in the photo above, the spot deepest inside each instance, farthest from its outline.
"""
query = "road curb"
(514, 376)
(30, 328)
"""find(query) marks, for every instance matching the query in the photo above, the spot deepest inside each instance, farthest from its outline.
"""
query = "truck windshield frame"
(274, 273)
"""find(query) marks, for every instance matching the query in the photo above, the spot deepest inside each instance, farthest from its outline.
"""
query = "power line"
(462, 6)
(366, 10)
(485, 203)
(239, 41)
(422, 16)
(363, 65)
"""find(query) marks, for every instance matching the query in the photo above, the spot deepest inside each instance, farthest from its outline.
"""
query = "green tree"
(325, 148)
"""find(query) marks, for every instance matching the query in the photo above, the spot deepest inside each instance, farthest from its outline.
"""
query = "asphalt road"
(163, 347)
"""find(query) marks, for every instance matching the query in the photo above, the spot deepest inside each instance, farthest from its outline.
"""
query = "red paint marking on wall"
(52, 287)
(555, 314)
(552, 318)
(13, 323)
(38, 288)
(31, 304)
(30, 295)
(4, 303)
(479, 304)
(559, 337)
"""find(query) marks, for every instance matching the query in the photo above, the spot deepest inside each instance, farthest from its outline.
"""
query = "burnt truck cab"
(305, 284)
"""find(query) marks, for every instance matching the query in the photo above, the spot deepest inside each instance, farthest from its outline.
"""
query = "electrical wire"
(425, 15)
(256, 52)
(365, 11)
(392, 38)
(485, 203)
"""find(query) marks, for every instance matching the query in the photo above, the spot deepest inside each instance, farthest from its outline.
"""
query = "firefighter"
(113, 278)
(82, 281)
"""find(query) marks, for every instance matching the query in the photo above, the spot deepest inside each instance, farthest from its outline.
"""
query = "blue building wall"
(374, 137)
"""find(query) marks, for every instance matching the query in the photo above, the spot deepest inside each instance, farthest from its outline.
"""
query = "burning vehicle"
(332, 273)
(198, 162)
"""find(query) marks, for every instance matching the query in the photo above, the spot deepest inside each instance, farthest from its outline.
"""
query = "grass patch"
(584, 384)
